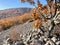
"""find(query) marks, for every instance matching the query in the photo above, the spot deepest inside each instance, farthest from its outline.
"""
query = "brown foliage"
(50, 2)
(39, 4)
(34, 15)
(37, 23)
(22, 0)
(31, 2)
(45, 10)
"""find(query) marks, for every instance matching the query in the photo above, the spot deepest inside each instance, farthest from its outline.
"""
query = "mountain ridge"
(13, 12)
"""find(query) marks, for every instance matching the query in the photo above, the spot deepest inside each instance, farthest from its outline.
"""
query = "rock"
(6, 43)
(35, 38)
(19, 43)
(58, 43)
(37, 42)
(45, 39)
(41, 39)
(49, 42)
(54, 39)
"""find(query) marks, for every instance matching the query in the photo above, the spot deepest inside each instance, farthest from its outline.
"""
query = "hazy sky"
(6, 4)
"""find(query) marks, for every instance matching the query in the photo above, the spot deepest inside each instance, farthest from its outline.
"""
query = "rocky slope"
(23, 28)
(28, 36)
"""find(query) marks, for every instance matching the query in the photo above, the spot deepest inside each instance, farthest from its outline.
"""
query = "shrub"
(11, 21)
(14, 35)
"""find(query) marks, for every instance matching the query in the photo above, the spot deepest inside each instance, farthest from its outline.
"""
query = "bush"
(14, 35)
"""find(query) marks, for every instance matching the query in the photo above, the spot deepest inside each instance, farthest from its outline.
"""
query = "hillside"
(20, 29)
(13, 12)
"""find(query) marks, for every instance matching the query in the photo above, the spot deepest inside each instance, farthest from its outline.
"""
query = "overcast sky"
(6, 4)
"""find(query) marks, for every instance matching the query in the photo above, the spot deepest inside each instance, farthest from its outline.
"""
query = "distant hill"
(13, 12)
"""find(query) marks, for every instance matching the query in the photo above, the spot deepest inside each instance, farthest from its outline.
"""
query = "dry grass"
(8, 22)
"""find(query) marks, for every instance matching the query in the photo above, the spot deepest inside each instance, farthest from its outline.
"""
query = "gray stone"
(19, 43)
